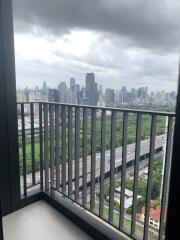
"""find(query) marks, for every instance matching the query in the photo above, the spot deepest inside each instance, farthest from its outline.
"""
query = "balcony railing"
(103, 159)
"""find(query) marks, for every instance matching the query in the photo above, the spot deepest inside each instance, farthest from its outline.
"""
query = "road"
(145, 146)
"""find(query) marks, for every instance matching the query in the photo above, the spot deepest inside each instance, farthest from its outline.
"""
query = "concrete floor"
(40, 221)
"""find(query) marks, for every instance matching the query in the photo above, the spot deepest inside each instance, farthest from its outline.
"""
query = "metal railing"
(82, 152)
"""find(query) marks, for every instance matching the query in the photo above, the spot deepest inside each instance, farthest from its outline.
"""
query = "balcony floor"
(40, 221)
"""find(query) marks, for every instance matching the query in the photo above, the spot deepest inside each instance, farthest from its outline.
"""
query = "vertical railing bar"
(136, 173)
(93, 160)
(77, 126)
(32, 143)
(51, 122)
(41, 145)
(63, 146)
(150, 176)
(102, 164)
(57, 137)
(123, 173)
(70, 144)
(166, 175)
(112, 165)
(46, 147)
(23, 149)
(84, 193)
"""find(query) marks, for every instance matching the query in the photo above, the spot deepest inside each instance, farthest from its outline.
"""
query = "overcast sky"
(124, 42)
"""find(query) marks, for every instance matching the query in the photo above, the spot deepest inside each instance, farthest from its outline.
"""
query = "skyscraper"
(44, 91)
(124, 94)
(109, 97)
(72, 92)
(62, 92)
(100, 95)
(72, 83)
(53, 95)
(91, 89)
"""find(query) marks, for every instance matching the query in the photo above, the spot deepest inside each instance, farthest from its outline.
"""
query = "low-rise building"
(128, 197)
(154, 215)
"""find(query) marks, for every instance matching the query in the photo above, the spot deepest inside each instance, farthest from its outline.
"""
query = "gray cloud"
(135, 43)
(148, 24)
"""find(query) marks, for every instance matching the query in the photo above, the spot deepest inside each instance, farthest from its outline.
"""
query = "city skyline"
(81, 82)
(92, 93)
(111, 83)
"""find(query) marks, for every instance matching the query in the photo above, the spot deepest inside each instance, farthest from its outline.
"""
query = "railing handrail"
(151, 112)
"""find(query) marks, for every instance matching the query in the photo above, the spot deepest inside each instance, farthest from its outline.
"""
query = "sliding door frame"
(9, 164)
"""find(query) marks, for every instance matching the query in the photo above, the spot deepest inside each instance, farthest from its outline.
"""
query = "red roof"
(155, 213)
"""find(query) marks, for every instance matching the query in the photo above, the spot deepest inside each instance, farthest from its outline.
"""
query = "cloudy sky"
(132, 42)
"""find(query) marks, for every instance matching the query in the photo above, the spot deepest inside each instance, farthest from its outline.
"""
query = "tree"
(116, 205)
(140, 204)
(129, 210)
(106, 191)
(155, 191)
(116, 184)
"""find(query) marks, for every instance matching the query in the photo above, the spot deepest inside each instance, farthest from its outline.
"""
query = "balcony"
(106, 170)
(40, 221)
(91, 163)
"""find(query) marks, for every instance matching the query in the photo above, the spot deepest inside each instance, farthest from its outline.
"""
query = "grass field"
(145, 132)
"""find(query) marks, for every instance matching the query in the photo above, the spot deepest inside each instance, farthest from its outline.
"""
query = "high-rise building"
(133, 93)
(91, 89)
(124, 94)
(35, 96)
(26, 92)
(44, 92)
(146, 92)
(117, 96)
(72, 92)
(72, 83)
(109, 97)
(100, 96)
(53, 95)
(69, 96)
(62, 92)
(80, 97)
